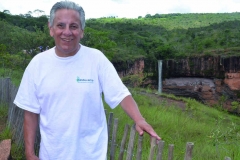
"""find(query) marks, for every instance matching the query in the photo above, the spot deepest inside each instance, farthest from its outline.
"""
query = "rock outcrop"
(213, 80)
(233, 80)
(209, 91)
(129, 67)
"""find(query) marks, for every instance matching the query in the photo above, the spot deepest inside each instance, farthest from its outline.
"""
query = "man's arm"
(130, 107)
(30, 128)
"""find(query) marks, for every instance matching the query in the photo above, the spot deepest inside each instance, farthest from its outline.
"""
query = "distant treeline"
(153, 37)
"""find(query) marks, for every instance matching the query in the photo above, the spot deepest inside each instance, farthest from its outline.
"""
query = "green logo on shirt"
(83, 80)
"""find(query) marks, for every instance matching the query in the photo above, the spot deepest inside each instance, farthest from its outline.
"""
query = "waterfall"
(159, 76)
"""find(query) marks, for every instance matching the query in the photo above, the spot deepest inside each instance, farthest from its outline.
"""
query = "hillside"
(173, 35)
(124, 40)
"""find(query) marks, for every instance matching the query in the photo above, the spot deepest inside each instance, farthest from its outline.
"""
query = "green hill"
(153, 37)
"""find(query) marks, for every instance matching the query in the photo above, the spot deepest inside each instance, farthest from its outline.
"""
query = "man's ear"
(82, 34)
(50, 30)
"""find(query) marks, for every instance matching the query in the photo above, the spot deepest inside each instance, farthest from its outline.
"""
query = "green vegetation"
(6, 134)
(3, 120)
(152, 37)
(26, 21)
(3, 111)
(215, 134)
(16, 75)
(17, 152)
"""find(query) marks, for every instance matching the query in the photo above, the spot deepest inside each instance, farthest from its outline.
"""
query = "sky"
(126, 8)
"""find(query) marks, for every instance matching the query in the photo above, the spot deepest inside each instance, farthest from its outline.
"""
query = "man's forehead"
(66, 12)
(67, 15)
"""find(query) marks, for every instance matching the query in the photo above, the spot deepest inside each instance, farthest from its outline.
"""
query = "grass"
(3, 111)
(5, 134)
(3, 120)
(215, 134)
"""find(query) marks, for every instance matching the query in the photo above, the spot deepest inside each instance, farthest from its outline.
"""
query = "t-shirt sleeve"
(113, 88)
(26, 96)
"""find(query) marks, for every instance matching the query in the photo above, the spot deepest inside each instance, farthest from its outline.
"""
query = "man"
(63, 87)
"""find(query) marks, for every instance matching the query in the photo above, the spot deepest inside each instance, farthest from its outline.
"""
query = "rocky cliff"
(125, 68)
(213, 80)
(205, 66)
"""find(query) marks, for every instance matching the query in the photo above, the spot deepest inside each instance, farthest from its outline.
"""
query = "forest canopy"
(153, 37)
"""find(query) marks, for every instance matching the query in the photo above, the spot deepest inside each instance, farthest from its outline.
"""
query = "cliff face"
(212, 80)
(211, 67)
(129, 67)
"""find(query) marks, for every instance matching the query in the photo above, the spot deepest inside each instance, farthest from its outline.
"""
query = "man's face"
(67, 32)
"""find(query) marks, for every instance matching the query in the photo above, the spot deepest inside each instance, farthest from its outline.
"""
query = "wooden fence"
(15, 122)
(156, 149)
(8, 93)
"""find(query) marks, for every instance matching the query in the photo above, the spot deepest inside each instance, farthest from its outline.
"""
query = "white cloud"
(128, 8)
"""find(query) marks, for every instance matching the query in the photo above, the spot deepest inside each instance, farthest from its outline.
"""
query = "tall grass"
(215, 134)
(3, 111)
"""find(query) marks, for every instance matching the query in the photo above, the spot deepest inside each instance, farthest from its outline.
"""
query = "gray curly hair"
(67, 5)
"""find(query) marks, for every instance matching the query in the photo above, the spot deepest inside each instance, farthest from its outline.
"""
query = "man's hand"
(130, 107)
(142, 126)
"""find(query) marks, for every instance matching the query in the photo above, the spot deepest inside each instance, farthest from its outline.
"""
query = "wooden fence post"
(139, 148)
(131, 143)
(1, 90)
(110, 119)
(109, 127)
(8, 82)
(152, 148)
(160, 150)
(170, 151)
(4, 90)
(189, 148)
(114, 135)
(123, 142)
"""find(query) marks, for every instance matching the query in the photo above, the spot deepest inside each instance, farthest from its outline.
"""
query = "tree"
(6, 11)
(148, 16)
(28, 14)
(2, 15)
(38, 12)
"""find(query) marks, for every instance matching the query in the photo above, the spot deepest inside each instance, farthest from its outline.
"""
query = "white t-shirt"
(67, 94)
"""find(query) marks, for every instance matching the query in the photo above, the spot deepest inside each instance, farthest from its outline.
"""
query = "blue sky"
(127, 8)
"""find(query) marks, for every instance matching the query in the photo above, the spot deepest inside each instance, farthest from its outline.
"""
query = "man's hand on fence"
(142, 126)
(130, 107)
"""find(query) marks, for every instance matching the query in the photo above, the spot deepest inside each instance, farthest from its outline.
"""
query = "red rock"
(232, 80)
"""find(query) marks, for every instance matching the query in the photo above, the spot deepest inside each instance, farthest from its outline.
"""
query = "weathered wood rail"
(15, 122)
